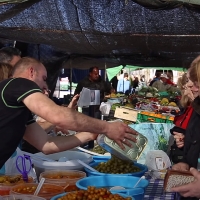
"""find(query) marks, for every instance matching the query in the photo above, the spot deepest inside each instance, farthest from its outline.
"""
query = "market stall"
(147, 111)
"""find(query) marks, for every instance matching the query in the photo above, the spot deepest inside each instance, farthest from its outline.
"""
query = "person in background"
(94, 81)
(5, 71)
(121, 75)
(124, 84)
(23, 94)
(158, 74)
(170, 76)
(10, 55)
(114, 82)
(162, 85)
(143, 80)
(135, 82)
(169, 79)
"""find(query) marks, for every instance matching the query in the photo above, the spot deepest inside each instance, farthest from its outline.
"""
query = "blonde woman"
(192, 140)
(189, 93)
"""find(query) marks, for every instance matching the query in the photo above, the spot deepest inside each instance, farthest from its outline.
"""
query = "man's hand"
(179, 138)
(191, 189)
(121, 133)
(181, 166)
(73, 102)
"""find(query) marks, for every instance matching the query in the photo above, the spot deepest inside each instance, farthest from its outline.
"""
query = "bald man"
(23, 94)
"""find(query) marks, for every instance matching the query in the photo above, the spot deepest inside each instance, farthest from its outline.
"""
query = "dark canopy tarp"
(81, 34)
(123, 32)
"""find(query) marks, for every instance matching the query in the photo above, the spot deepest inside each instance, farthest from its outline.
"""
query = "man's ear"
(31, 72)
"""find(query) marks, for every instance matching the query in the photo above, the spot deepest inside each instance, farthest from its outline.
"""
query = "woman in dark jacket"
(192, 140)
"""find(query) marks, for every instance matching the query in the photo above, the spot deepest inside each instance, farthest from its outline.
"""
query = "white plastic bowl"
(71, 164)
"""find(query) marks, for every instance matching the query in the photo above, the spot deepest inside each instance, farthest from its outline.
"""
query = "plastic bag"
(157, 162)
(105, 108)
(10, 165)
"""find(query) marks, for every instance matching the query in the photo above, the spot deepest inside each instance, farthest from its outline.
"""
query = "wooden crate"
(126, 113)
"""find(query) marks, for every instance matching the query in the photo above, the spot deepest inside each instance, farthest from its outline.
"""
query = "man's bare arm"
(62, 116)
(67, 118)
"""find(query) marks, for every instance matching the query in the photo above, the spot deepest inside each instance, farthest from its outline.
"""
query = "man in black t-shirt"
(94, 81)
(22, 95)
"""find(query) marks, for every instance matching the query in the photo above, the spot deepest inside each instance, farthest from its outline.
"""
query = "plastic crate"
(146, 116)
(170, 119)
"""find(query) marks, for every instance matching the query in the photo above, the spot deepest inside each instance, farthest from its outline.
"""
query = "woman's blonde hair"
(194, 71)
(182, 81)
(5, 71)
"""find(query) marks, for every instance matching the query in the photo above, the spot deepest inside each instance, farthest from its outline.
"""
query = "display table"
(155, 191)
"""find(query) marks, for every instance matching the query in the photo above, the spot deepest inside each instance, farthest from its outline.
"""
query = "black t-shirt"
(104, 87)
(14, 115)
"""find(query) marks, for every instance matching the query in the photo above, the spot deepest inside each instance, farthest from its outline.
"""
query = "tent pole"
(14, 44)
(70, 77)
(105, 72)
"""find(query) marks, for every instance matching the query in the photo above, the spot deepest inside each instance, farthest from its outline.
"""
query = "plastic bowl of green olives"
(115, 166)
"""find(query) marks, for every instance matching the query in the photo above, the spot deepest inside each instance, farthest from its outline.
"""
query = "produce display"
(113, 107)
(62, 176)
(148, 91)
(47, 191)
(113, 95)
(25, 190)
(99, 149)
(93, 193)
(117, 166)
(13, 179)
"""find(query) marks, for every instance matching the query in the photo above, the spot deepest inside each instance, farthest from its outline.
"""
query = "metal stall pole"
(105, 67)
(70, 83)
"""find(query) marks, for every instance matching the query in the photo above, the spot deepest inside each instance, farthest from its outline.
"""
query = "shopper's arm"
(37, 137)
(47, 126)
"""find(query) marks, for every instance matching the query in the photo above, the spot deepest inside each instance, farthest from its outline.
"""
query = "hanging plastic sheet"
(158, 136)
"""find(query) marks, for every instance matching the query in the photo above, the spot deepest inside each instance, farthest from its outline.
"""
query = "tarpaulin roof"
(115, 32)
(103, 33)
(111, 72)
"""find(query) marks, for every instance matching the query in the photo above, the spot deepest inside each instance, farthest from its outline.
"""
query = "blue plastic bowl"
(127, 182)
(60, 195)
(101, 158)
(137, 174)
